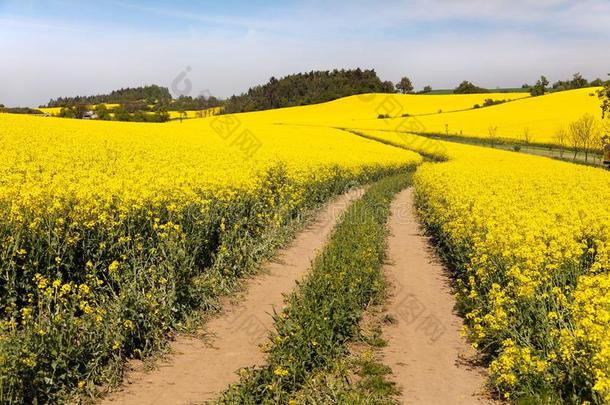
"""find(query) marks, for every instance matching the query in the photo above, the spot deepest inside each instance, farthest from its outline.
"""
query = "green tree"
(540, 87)
(427, 89)
(404, 86)
(307, 88)
(138, 116)
(162, 116)
(102, 112)
(144, 94)
(21, 110)
(597, 83)
(467, 87)
(121, 114)
(74, 111)
(387, 87)
(578, 82)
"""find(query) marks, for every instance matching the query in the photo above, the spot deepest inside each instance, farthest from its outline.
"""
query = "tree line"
(308, 88)
(122, 112)
(576, 82)
(149, 95)
(138, 104)
(19, 110)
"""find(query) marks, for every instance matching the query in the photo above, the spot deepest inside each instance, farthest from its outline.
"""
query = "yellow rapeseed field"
(195, 113)
(364, 109)
(530, 240)
(50, 110)
(111, 231)
(541, 116)
(144, 162)
(452, 114)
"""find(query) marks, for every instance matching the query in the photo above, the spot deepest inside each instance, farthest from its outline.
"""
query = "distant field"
(366, 108)
(173, 115)
(449, 115)
(444, 114)
(50, 110)
(542, 116)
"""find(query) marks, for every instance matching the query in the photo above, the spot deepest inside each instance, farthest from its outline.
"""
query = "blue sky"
(64, 47)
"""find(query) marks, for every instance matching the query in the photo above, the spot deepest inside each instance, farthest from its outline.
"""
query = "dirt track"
(430, 360)
(199, 370)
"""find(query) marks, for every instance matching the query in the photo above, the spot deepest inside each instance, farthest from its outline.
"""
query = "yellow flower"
(113, 266)
(281, 372)
(66, 288)
(41, 282)
(85, 307)
(26, 314)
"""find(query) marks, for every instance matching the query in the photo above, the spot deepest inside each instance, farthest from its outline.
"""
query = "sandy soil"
(430, 360)
(198, 370)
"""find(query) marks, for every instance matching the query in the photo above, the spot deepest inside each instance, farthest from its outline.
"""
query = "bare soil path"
(198, 370)
(430, 360)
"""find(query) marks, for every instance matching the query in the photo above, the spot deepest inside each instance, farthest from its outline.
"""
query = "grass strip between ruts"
(323, 313)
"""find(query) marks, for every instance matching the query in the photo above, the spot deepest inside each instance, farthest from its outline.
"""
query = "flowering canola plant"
(111, 232)
(529, 239)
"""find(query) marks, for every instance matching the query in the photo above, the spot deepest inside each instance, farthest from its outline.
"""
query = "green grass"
(309, 346)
